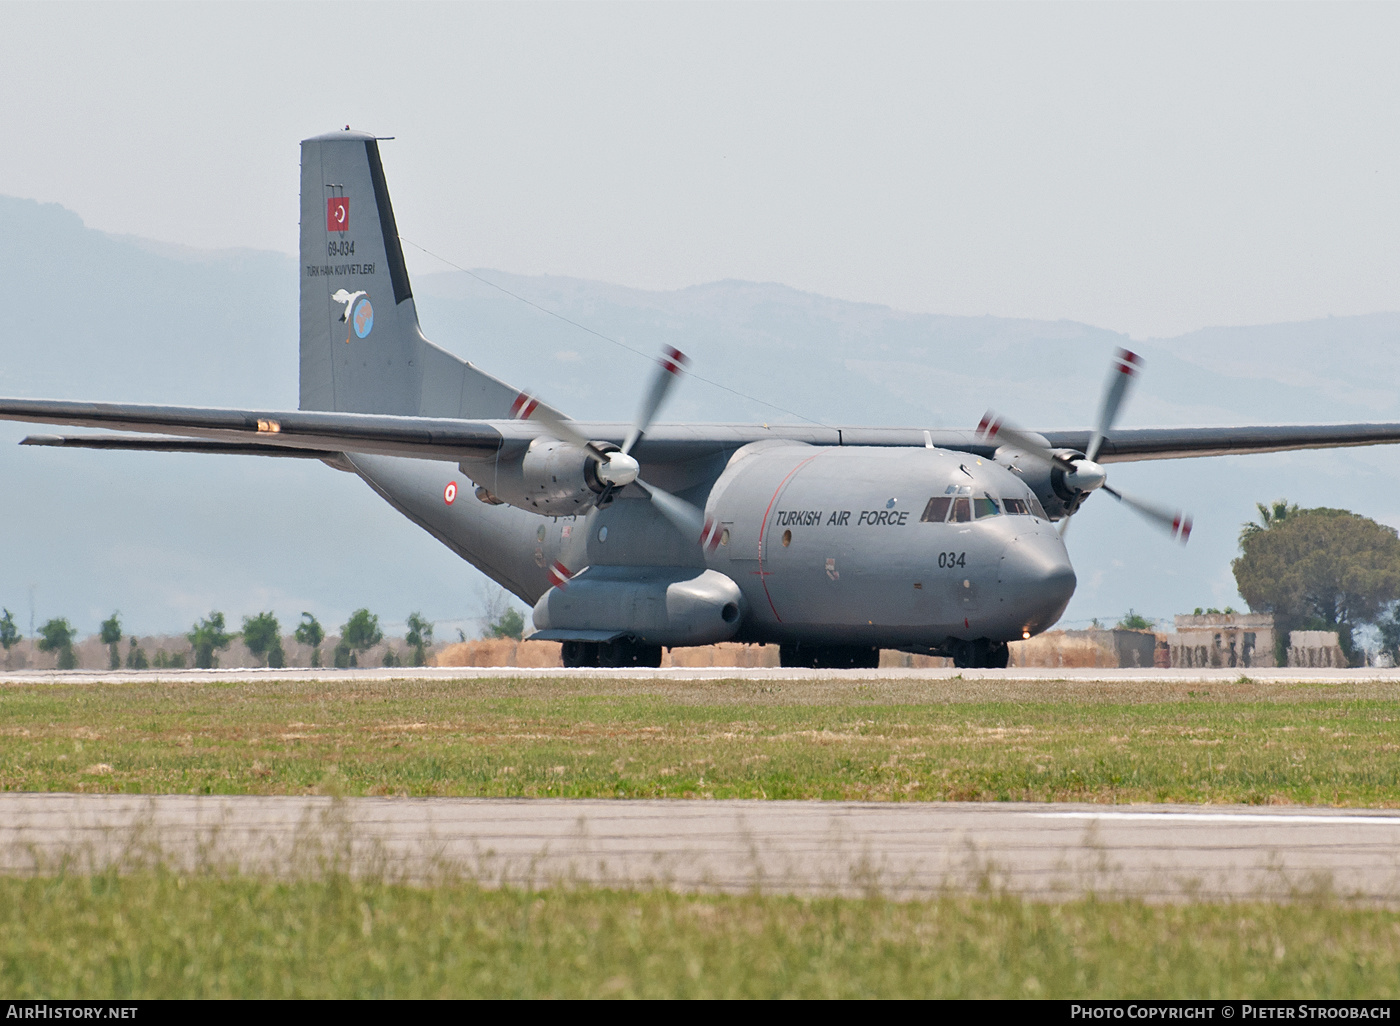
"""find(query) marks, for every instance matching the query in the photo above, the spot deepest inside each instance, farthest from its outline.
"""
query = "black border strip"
(393, 249)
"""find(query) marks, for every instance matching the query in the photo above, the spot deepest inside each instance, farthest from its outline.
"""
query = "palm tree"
(1270, 515)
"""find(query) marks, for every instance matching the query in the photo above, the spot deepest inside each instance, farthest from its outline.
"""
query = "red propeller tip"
(709, 537)
(673, 360)
(523, 406)
(1128, 362)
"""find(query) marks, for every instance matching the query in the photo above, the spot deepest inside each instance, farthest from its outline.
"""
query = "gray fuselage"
(827, 544)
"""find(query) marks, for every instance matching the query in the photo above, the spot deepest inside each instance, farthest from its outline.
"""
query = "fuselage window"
(937, 510)
(985, 506)
(1037, 510)
(1016, 507)
(962, 511)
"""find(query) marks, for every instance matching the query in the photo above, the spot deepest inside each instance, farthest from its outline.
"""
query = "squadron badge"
(358, 313)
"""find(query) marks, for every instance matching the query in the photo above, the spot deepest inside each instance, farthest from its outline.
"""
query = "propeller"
(1125, 367)
(617, 468)
(1174, 520)
(1082, 474)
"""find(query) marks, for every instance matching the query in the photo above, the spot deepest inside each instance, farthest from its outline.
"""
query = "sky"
(1148, 169)
(1151, 169)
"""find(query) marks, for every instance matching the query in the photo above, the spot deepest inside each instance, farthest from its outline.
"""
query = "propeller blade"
(689, 520)
(994, 429)
(528, 407)
(1176, 521)
(559, 575)
(1125, 366)
(669, 366)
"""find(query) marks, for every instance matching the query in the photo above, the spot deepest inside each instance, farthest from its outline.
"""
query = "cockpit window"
(960, 510)
(937, 510)
(1024, 507)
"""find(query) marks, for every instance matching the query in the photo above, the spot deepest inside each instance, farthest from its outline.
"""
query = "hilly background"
(167, 538)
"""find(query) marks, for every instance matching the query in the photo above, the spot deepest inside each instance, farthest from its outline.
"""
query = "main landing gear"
(829, 657)
(981, 654)
(610, 654)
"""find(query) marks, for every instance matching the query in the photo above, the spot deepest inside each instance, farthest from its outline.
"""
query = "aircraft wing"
(1129, 445)
(1124, 445)
(256, 432)
(319, 434)
(156, 443)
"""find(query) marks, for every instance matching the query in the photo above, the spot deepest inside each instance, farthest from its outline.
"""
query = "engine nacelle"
(1049, 484)
(552, 478)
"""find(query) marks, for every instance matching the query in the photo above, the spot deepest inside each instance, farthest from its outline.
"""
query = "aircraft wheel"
(628, 653)
(982, 654)
(863, 658)
(579, 653)
(829, 657)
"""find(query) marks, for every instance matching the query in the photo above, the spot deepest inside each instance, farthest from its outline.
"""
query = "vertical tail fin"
(361, 348)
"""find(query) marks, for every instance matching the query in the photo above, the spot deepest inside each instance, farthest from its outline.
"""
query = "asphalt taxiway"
(901, 850)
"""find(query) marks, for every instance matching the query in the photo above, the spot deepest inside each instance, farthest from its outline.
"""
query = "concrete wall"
(1315, 648)
(1091, 648)
(1223, 640)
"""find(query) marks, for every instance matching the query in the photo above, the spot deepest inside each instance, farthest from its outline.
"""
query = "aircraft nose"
(1037, 575)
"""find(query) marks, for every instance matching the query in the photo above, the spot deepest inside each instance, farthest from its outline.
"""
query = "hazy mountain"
(167, 538)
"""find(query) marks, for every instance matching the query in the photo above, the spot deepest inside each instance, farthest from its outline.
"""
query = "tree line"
(210, 635)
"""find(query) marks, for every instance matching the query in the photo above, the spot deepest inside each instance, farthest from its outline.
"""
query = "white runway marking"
(898, 849)
(1361, 819)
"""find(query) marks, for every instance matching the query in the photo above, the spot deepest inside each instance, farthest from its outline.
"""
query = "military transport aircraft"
(830, 542)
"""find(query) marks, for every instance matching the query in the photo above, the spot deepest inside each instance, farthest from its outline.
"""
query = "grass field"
(878, 740)
(162, 936)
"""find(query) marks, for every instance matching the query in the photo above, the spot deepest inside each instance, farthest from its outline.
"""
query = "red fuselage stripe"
(763, 530)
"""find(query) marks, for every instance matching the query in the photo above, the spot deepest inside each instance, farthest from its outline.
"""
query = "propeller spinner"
(617, 468)
(1082, 474)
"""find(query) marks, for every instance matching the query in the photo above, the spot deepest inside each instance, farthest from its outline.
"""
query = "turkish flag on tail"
(338, 214)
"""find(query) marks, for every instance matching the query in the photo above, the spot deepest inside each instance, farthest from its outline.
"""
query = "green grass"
(1237, 742)
(157, 934)
(163, 936)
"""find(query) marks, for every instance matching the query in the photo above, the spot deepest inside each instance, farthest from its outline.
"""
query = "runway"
(900, 850)
(1273, 675)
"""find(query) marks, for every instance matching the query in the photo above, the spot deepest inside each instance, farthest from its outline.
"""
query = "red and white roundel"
(449, 494)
